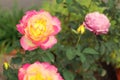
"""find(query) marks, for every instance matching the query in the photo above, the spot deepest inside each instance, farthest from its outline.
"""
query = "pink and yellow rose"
(39, 71)
(38, 29)
(97, 23)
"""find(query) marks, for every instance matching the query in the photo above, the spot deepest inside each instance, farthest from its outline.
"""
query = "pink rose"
(97, 23)
(38, 71)
(38, 30)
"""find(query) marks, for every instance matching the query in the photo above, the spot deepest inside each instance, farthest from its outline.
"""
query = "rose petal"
(28, 15)
(97, 23)
(24, 20)
(52, 40)
(49, 67)
(56, 25)
(27, 44)
(20, 28)
(38, 43)
(22, 71)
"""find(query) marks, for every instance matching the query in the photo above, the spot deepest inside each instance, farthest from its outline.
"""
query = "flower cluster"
(39, 29)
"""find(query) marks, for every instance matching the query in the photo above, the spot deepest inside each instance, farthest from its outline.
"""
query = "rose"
(38, 71)
(38, 30)
(81, 29)
(97, 23)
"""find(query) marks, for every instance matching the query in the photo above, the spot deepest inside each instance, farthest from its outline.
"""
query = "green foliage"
(90, 51)
(77, 56)
(9, 35)
(68, 75)
(59, 1)
(69, 53)
(11, 74)
(16, 60)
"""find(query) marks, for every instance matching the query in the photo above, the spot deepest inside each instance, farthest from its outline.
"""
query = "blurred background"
(8, 4)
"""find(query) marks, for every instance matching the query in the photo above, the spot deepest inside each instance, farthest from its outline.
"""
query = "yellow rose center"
(36, 29)
(35, 74)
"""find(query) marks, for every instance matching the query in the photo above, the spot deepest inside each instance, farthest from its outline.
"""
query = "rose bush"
(79, 54)
(38, 30)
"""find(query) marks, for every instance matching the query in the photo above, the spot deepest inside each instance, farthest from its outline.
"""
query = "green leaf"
(102, 49)
(113, 22)
(86, 66)
(68, 75)
(85, 2)
(11, 74)
(74, 31)
(109, 46)
(68, 1)
(90, 51)
(16, 60)
(59, 1)
(9, 49)
(49, 57)
(70, 53)
(111, 3)
(82, 57)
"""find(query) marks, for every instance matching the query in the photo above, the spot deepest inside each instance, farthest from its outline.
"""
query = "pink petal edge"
(56, 25)
(21, 72)
(52, 41)
(27, 44)
(20, 28)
